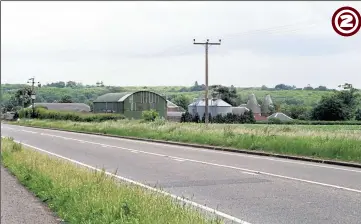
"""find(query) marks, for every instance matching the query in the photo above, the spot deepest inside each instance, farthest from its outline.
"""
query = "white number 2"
(346, 21)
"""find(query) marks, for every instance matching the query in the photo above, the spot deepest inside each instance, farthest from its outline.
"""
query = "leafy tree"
(229, 95)
(321, 88)
(71, 84)
(297, 111)
(23, 96)
(66, 99)
(339, 106)
(308, 87)
(182, 101)
(60, 84)
(358, 114)
(264, 87)
(284, 87)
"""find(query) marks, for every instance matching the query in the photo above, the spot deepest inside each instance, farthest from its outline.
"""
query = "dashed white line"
(208, 209)
(221, 165)
(211, 151)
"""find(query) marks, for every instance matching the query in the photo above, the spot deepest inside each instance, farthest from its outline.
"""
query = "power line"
(206, 44)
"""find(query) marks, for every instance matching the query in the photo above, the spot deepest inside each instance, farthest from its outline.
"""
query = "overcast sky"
(151, 43)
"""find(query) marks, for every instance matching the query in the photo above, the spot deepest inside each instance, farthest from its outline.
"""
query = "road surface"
(256, 189)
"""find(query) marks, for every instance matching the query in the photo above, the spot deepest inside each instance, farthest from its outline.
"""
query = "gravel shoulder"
(18, 205)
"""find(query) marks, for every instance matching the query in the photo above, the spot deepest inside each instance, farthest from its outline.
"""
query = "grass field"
(78, 195)
(336, 142)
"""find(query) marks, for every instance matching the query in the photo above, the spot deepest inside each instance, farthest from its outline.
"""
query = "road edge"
(216, 148)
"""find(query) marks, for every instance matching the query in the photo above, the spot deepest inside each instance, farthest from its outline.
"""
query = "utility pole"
(207, 44)
(32, 81)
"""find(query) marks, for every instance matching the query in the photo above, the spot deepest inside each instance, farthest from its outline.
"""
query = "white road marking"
(249, 173)
(208, 209)
(33, 132)
(211, 151)
(179, 160)
(221, 165)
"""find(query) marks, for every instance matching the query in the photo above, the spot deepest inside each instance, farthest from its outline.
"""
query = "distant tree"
(358, 114)
(60, 84)
(297, 111)
(66, 99)
(264, 87)
(336, 107)
(197, 87)
(229, 95)
(308, 87)
(321, 88)
(23, 96)
(284, 87)
(71, 84)
(182, 101)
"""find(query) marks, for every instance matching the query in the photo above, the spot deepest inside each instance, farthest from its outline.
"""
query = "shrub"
(274, 120)
(150, 115)
(186, 117)
(41, 113)
(358, 115)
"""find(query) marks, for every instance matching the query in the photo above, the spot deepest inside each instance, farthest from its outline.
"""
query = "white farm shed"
(215, 107)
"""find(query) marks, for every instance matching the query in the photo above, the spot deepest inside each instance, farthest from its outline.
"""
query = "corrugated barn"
(131, 104)
(215, 107)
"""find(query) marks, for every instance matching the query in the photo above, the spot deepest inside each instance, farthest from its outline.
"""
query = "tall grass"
(78, 195)
(342, 143)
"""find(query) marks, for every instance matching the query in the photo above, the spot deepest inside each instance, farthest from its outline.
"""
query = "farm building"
(71, 107)
(172, 107)
(281, 116)
(131, 104)
(266, 105)
(239, 110)
(215, 107)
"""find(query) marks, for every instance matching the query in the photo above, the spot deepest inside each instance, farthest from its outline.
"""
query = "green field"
(79, 195)
(336, 142)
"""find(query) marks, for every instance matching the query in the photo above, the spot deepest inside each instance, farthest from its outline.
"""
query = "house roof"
(281, 116)
(76, 107)
(211, 103)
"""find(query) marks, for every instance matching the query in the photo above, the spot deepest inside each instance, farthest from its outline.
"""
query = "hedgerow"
(41, 113)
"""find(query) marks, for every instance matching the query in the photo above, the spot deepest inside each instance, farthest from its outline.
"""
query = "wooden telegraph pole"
(206, 44)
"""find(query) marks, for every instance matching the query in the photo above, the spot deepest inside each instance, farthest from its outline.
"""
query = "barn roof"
(76, 107)
(111, 97)
(281, 116)
(211, 103)
(171, 104)
(118, 97)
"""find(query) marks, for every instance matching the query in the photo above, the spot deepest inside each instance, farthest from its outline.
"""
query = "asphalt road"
(256, 189)
(19, 206)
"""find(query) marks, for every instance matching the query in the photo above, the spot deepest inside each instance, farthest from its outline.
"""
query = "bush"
(358, 115)
(274, 120)
(41, 113)
(186, 117)
(150, 115)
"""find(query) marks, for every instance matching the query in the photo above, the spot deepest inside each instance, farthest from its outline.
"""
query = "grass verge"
(286, 140)
(78, 195)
